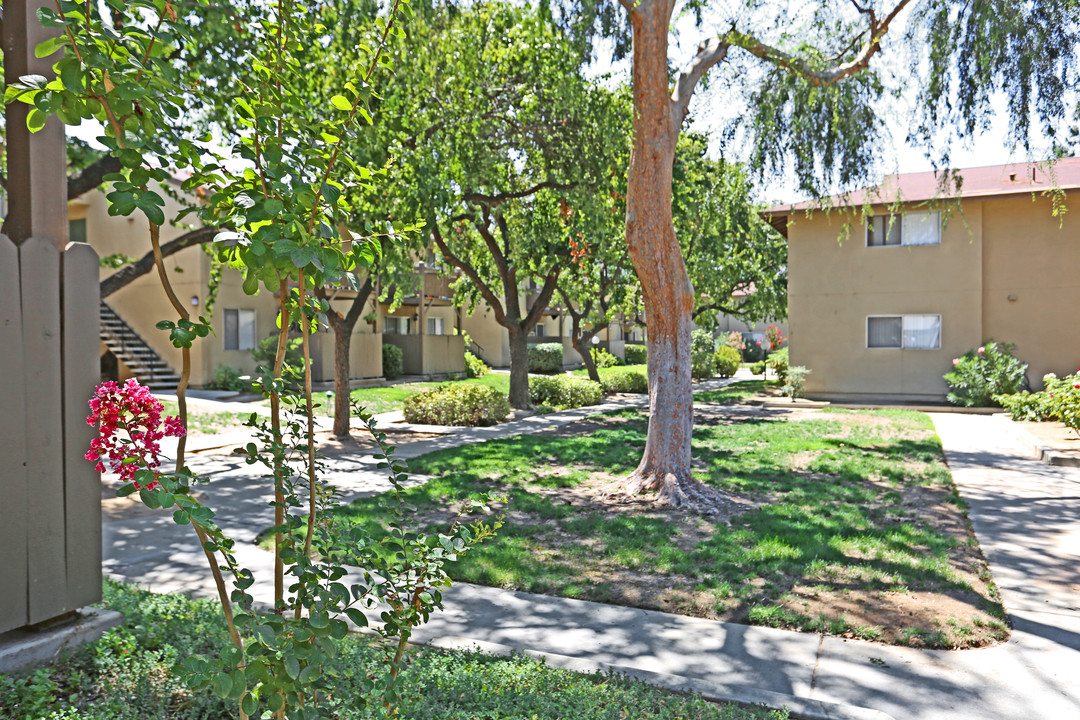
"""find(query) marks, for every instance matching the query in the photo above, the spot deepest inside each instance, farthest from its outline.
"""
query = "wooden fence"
(50, 495)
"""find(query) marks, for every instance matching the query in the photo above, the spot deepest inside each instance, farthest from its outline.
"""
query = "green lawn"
(391, 397)
(851, 523)
(606, 371)
(201, 422)
(128, 675)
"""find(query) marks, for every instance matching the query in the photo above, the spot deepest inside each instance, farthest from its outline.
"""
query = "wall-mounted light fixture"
(194, 301)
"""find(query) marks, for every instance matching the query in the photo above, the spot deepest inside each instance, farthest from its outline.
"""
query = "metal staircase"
(130, 349)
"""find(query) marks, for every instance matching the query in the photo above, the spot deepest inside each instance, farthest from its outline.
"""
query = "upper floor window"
(913, 228)
(435, 326)
(396, 326)
(540, 330)
(910, 332)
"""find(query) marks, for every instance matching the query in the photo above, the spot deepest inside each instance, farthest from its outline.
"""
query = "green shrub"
(794, 379)
(702, 354)
(563, 391)
(393, 361)
(545, 358)
(726, 360)
(457, 404)
(229, 378)
(265, 352)
(474, 366)
(1026, 405)
(636, 354)
(778, 363)
(603, 359)
(758, 368)
(625, 381)
(981, 374)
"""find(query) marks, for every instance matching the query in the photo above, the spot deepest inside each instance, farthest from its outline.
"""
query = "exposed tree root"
(677, 489)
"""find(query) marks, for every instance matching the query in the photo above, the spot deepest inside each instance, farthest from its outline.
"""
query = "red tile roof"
(989, 181)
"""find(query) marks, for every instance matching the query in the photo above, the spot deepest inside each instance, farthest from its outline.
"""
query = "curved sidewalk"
(1026, 515)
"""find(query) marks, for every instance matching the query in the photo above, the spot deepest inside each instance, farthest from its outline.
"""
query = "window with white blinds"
(910, 332)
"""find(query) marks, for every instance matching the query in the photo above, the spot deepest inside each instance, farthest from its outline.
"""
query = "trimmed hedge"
(393, 362)
(545, 358)
(625, 381)
(726, 361)
(457, 404)
(563, 392)
(636, 354)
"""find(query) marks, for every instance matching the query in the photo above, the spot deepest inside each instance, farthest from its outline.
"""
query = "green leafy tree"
(736, 261)
(810, 87)
(499, 130)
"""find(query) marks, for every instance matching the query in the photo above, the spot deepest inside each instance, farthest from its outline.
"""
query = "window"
(239, 329)
(913, 228)
(396, 326)
(434, 326)
(540, 331)
(910, 332)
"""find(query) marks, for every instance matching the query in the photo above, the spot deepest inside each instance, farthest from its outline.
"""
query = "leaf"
(249, 704)
(292, 666)
(35, 120)
(341, 103)
(222, 685)
(50, 46)
(357, 616)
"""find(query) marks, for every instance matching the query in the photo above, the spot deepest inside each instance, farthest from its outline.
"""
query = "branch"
(91, 176)
(541, 303)
(470, 272)
(491, 201)
(124, 276)
(801, 67)
(709, 53)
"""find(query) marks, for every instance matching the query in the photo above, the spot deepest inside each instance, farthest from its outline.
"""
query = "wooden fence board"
(39, 263)
(82, 370)
(13, 521)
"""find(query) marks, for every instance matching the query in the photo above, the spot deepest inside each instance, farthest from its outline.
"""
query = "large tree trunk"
(666, 288)
(582, 345)
(519, 369)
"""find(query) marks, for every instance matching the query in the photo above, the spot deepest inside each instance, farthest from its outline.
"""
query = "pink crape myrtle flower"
(130, 426)
(956, 361)
(981, 350)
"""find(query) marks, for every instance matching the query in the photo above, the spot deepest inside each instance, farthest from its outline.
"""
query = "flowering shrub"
(733, 339)
(457, 404)
(753, 352)
(130, 426)
(545, 358)
(726, 361)
(1059, 400)
(774, 337)
(982, 374)
(563, 392)
(625, 381)
(636, 355)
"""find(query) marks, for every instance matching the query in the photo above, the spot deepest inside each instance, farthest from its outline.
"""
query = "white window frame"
(907, 221)
(438, 323)
(242, 343)
(539, 330)
(902, 346)
(397, 322)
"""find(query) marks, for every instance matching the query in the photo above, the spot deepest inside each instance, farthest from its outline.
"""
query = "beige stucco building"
(886, 288)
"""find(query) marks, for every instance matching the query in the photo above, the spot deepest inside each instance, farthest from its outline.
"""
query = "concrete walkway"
(1026, 514)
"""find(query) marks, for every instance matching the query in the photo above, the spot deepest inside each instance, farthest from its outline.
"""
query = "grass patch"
(608, 370)
(202, 422)
(848, 525)
(737, 393)
(127, 675)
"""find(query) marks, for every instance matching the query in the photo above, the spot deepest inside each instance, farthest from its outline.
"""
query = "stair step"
(149, 368)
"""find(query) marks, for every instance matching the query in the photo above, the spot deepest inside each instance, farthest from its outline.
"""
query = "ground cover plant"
(457, 404)
(129, 675)
(839, 521)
